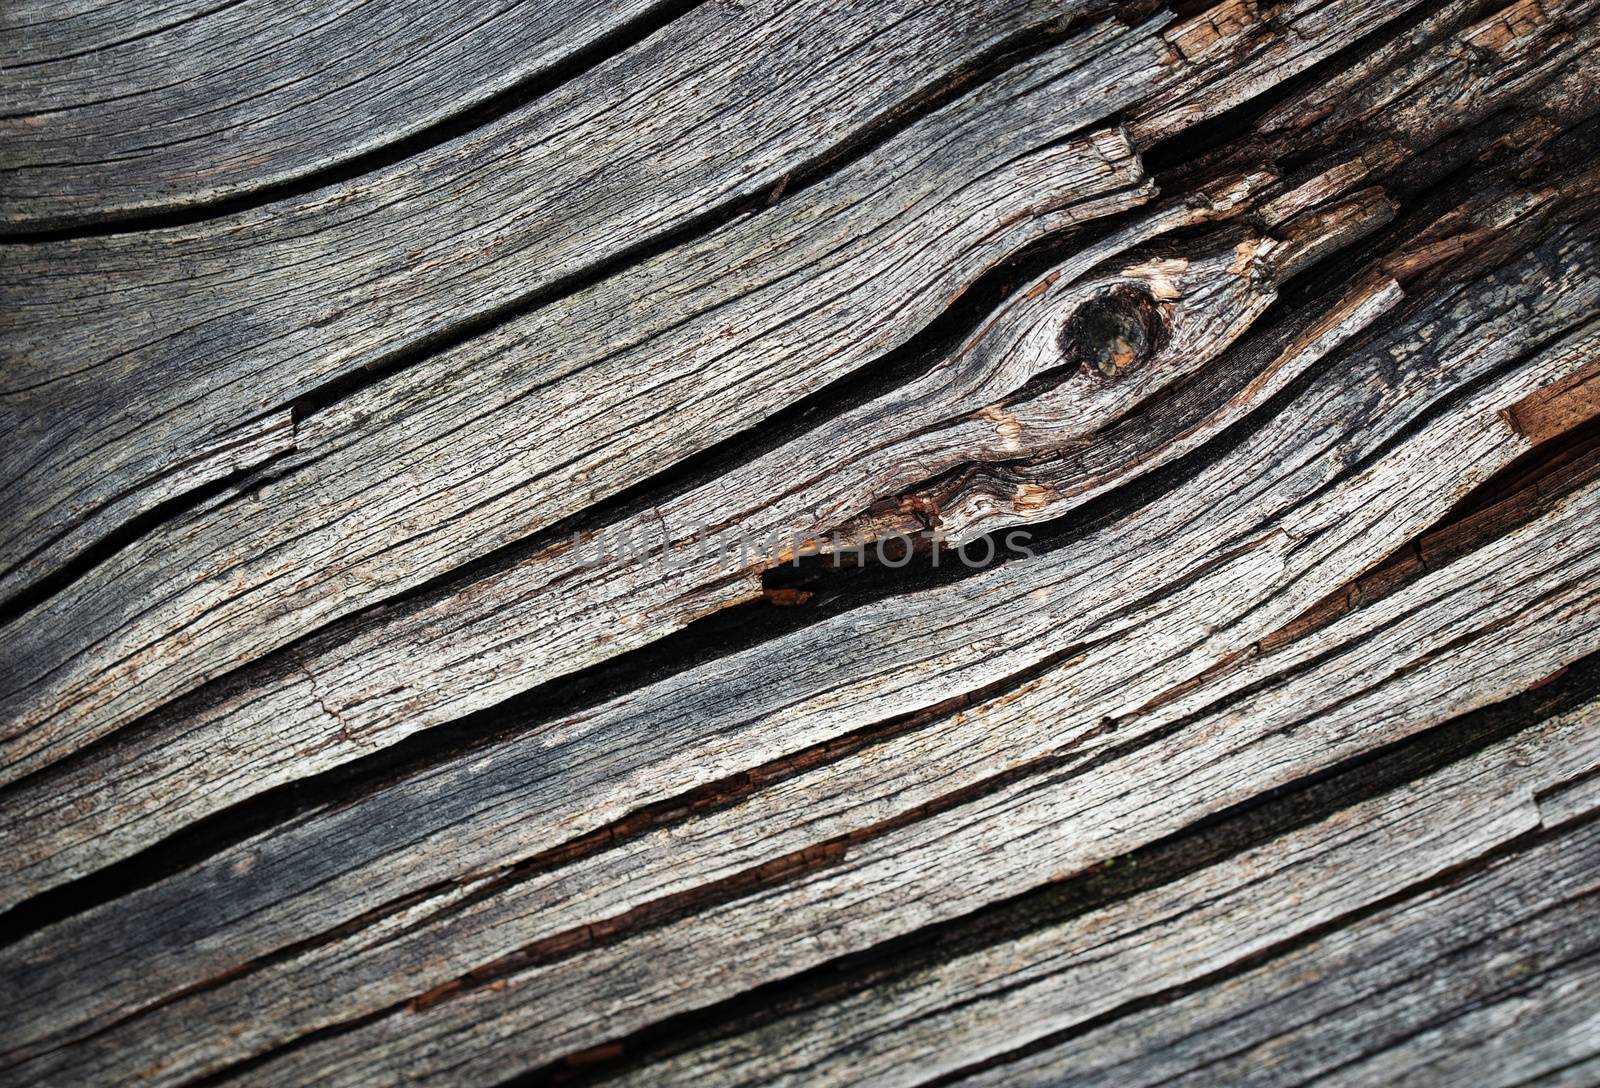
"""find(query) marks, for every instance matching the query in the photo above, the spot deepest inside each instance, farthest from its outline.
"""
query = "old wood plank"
(357, 564)
(971, 1008)
(1510, 942)
(1397, 669)
(422, 693)
(114, 110)
(181, 335)
(372, 576)
(1182, 930)
(529, 634)
(421, 475)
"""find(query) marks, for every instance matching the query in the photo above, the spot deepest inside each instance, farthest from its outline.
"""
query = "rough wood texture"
(482, 589)
(127, 110)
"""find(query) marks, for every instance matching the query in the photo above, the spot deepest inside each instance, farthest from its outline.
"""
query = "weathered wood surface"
(122, 112)
(188, 338)
(435, 648)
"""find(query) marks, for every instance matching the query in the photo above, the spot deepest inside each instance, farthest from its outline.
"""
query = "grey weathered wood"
(248, 900)
(550, 370)
(181, 335)
(812, 918)
(122, 109)
(90, 809)
(241, 905)
(252, 610)
(1296, 402)
(983, 1004)
(1511, 943)
(335, 586)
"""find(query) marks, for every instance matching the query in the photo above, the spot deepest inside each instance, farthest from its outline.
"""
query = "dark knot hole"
(1114, 332)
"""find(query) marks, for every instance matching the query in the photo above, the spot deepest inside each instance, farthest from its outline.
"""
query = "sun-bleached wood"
(449, 632)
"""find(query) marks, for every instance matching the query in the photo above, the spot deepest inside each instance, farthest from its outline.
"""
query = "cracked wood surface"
(120, 110)
(183, 334)
(449, 635)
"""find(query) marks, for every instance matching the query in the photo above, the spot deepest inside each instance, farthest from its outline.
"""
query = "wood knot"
(1114, 332)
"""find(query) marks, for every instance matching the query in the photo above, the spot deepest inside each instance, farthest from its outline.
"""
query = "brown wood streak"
(381, 703)
(1559, 408)
(1512, 497)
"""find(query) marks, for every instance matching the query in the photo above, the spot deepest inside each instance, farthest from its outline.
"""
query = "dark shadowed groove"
(42, 588)
(1206, 842)
(1565, 452)
(713, 636)
(1315, 617)
(1434, 411)
(732, 789)
(718, 795)
(1169, 154)
(1192, 145)
(1425, 206)
(1426, 196)
(435, 133)
(238, 1069)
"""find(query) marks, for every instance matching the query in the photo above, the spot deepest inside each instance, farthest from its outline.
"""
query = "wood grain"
(121, 112)
(490, 591)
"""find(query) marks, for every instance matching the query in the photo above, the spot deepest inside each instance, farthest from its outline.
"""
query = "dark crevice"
(780, 427)
(434, 134)
(1205, 843)
(826, 593)
(285, 954)
(714, 636)
(1460, 167)
(1554, 455)
(722, 633)
(1216, 140)
(1271, 814)
(125, 533)
(1429, 414)
(1469, 184)
(1457, 533)
(204, 13)
(1518, 986)
(1466, 170)
(930, 563)
(875, 555)
(726, 793)
(238, 1069)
